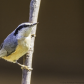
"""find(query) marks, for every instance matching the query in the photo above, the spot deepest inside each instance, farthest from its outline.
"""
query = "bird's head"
(24, 29)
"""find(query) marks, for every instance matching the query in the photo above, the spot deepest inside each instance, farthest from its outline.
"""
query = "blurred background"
(59, 45)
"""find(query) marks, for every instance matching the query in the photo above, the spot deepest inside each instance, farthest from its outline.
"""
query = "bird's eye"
(25, 25)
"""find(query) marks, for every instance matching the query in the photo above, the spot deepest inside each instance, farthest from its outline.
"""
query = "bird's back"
(9, 44)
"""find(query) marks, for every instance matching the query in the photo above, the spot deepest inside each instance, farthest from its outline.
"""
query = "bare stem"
(27, 60)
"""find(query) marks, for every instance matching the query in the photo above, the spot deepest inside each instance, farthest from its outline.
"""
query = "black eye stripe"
(25, 25)
(19, 28)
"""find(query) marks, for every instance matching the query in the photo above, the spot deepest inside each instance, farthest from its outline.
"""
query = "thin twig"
(27, 60)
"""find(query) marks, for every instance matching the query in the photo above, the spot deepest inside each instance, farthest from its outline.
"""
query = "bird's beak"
(35, 23)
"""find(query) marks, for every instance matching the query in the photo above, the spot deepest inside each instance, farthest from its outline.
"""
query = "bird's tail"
(3, 52)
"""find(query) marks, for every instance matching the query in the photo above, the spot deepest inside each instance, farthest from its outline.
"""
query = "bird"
(17, 44)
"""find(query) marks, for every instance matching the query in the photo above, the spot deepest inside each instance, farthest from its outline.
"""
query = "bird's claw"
(26, 67)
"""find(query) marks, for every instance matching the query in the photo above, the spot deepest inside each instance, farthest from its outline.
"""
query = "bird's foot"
(26, 67)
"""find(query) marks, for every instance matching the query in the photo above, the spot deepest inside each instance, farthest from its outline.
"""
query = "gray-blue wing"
(10, 44)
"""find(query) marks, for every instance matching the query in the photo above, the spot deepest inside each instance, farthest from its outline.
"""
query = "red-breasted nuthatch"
(17, 43)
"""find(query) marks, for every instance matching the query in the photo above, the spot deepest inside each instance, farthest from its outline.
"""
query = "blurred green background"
(59, 45)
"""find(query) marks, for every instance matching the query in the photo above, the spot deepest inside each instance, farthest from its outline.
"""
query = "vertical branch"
(27, 60)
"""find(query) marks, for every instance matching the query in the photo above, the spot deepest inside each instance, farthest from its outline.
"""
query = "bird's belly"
(21, 49)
